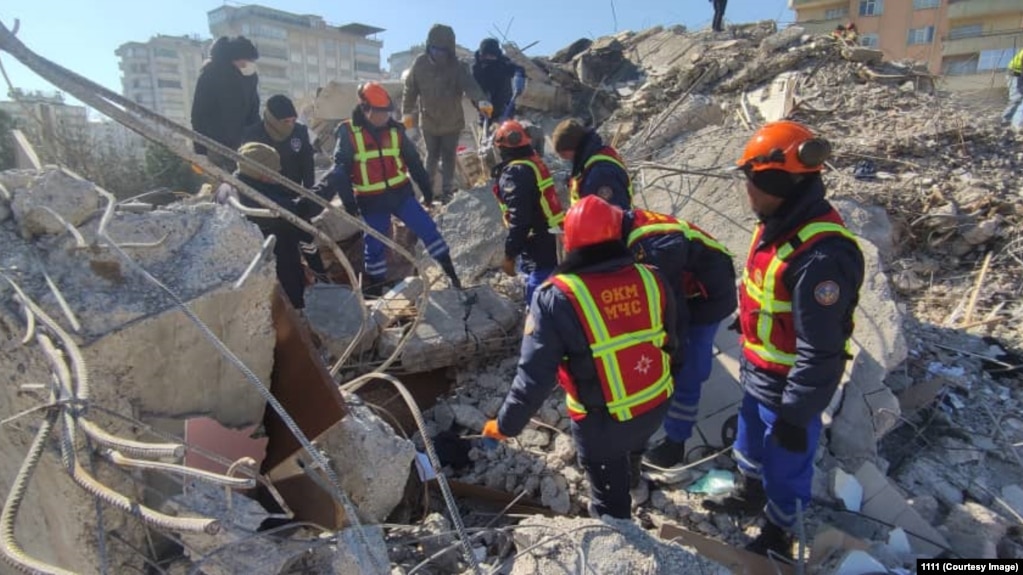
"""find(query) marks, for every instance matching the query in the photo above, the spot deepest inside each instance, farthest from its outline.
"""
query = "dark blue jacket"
(495, 77)
(279, 195)
(295, 151)
(527, 233)
(600, 174)
(554, 331)
(673, 254)
(338, 180)
(821, 330)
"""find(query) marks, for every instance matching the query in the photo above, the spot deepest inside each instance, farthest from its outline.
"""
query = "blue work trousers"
(1013, 113)
(415, 217)
(698, 354)
(533, 280)
(787, 476)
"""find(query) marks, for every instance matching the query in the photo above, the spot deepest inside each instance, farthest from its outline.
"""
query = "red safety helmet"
(591, 221)
(373, 95)
(787, 146)
(511, 134)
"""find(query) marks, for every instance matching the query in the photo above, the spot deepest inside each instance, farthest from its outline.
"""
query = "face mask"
(437, 53)
(248, 69)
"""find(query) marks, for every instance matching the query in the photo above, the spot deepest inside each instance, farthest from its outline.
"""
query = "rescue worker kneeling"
(603, 326)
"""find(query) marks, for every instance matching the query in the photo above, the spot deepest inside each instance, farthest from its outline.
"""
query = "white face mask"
(248, 69)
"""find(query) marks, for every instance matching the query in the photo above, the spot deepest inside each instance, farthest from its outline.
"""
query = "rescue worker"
(1013, 114)
(596, 168)
(718, 25)
(699, 270)
(226, 99)
(529, 204)
(501, 79)
(281, 130)
(287, 252)
(374, 166)
(603, 326)
(434, 87)
(799, 290)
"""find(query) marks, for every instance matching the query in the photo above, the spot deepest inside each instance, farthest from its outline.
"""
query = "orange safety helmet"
(511, 134)
(787, 146)
(373, 95)
(591, 221)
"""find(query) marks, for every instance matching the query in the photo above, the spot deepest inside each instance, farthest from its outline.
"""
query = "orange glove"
(409, 120)
(490, 430)
(486, 108)
(508, 266)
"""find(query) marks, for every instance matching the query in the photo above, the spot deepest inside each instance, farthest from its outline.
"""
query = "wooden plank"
(500, 499)
(25, 155)
(738, 561)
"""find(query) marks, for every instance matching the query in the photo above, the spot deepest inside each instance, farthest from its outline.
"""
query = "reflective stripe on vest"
(1016, 64)
(549, 202)
(576, 183)
(390, 170)
(652, 224)
(768, 305)
(607, 350)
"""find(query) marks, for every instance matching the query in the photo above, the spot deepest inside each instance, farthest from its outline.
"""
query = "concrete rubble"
(607, 547)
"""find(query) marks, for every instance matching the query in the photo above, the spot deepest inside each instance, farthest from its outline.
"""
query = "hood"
(602, 257)
(226, 49)
(441, 36)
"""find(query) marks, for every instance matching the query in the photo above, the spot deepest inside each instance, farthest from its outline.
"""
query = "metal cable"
(445, 489)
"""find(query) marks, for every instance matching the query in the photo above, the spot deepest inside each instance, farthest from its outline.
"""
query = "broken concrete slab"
(40, 195)
(862, 54)
(611, 547)
(974, 531)
(883, 501)
(789, 36)
(696, 113)
(335, 314)
(470, 223)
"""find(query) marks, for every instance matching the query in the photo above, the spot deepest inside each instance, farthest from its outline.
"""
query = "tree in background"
(7, 155)
(164, 169)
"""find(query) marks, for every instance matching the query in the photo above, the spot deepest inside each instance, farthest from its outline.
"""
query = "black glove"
(789, 437)
(352, 209)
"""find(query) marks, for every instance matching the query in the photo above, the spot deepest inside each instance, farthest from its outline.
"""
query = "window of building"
(923, 35)
(995, 59)
(268, 51)
(312, 59)
(140, 68)
(871, 7)
(925, 4)
(168, 84)
(330, 62)
(296, 56)
(266, 71)
(959, 66)
(367, 50)
(330, 46)
(165, 53)
(313, 79)
(346, 51)
(965, 31)
(834, 13)
(373, 67)
(165, 68)
(267, 31)
(869, 40)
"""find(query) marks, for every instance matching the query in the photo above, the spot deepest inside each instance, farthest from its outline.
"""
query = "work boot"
(449, 268)
(773, 541)
(662, 458)
(748, 498)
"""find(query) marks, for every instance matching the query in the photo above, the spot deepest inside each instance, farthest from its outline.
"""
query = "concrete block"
(335, 314)
(471, 224)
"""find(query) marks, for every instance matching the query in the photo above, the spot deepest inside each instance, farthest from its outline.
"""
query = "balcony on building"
(959, 9)
(801, 4)
(1002, 40)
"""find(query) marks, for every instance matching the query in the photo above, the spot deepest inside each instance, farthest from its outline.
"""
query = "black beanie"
(243, 49)
(281, 107)
(490, 47)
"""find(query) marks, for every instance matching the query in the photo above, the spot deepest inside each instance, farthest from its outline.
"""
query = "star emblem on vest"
(826, 293)
(643, 365)
(296, 144)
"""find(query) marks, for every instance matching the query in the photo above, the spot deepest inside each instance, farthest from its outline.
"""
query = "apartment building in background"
(970, 42)
(299, 53)
(46, 117)
(161, 74)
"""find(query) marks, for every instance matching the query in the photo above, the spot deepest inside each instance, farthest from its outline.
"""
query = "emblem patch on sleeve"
(826, 293)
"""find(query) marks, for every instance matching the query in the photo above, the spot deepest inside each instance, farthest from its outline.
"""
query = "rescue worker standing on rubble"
(226, 99)
(529, 205)
(434, 88)
(501, 79)
(718, 25)
(699, 270)
(374, 166)
(281, 130)
(603, 326)
(287, 252)
(596, 168)
(799, 290)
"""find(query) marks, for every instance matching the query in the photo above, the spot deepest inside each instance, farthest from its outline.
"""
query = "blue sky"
(82, 35)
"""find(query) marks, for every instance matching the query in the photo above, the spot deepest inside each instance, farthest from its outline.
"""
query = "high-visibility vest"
(765, 304)
(647, 224)
(621, 313)
(376, 166)
(550, 205)
(605, 154)
(1016, 64)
